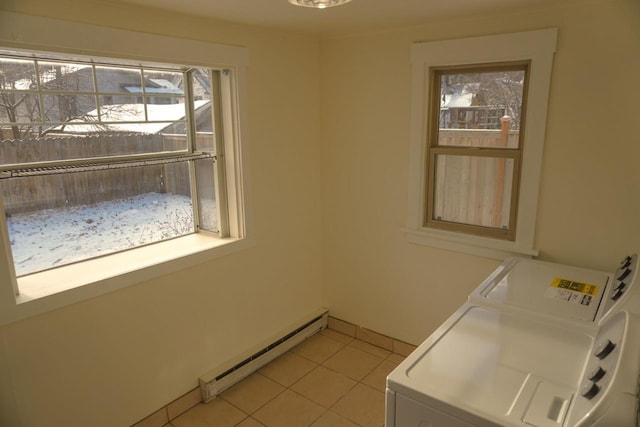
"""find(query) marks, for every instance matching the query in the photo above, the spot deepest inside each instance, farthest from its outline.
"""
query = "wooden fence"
(26, 194)
(472, 189)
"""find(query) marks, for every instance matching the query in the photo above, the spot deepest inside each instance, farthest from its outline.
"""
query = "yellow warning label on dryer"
(571, 285)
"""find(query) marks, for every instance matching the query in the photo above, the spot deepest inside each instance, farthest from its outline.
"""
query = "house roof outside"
(130, 118)
(156, 86)
(457, 100)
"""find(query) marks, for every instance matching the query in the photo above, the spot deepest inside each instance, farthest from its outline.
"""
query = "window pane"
(164, 83)
(69, 107)
(203, 108)
(119, 81)
(127, 109)
(201, 84)
(473, 190)
(65, 77)
(19, 107)
(59, 219)
(480, 109)
(205, 179)
(169, 112)
(17, 74)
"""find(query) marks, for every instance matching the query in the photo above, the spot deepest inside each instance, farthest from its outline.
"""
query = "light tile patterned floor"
(329, 380)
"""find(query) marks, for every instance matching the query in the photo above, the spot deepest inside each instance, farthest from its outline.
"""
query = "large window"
(97, 158)
(477, 134)
(114, 171)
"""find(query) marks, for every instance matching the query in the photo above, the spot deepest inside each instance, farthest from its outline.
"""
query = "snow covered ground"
(55, 237)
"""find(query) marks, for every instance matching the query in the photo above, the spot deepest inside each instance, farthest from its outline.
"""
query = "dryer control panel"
(620, 294)
(607, 394)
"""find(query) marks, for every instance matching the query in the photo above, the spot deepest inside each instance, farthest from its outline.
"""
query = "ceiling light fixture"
(318, 4)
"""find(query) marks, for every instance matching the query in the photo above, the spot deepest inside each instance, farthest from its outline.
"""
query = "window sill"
(48, 290)
(472, 245)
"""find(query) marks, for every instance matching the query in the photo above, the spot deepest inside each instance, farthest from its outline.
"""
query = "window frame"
(435, 149)
(537, 48)
(52, 289)
(188, 154)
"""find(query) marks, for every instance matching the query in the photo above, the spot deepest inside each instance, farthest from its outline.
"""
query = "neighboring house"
(115, 86)
(71, 92)
(461, 109)
(130, 118)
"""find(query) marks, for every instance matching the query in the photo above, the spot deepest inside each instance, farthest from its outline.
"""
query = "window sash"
(435, 150)
(91, 226)
(40, 92)
(430, 220)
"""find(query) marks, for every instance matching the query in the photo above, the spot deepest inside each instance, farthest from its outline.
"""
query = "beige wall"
(114, 359)
(329, 136)
(589, 211)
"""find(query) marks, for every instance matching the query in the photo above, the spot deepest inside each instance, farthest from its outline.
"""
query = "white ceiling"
(355, 17)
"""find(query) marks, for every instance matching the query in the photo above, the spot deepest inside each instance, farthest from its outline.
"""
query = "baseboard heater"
(221, 378)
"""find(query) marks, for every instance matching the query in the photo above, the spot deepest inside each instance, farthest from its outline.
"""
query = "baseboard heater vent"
(217, 380)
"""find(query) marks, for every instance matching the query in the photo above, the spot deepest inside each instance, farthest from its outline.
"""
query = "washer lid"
(541, 287)
(493, 364)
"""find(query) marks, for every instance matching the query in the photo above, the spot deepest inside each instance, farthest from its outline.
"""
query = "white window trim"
(536, 46)
(52, 289)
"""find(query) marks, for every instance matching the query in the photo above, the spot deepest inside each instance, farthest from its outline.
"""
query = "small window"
(478, 120)
(98, 158)
(475, 148)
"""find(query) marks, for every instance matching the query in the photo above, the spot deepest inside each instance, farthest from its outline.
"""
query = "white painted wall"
(589, 207)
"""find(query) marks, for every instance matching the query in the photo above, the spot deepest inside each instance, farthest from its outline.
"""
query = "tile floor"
(331, 379)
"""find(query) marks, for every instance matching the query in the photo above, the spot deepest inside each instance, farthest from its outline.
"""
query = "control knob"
(604, 349)
(624, 274)
(597, 374)
(590, 390)
(626, 262)
(618, 291)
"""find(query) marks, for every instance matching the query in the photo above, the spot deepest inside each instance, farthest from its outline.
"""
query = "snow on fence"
(70, 189)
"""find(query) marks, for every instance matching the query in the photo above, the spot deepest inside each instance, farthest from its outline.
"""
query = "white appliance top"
(500, 366)
(541, 287)
(493, 368)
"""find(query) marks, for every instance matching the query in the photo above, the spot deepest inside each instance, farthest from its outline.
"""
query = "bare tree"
(27, 110)
(18, 105)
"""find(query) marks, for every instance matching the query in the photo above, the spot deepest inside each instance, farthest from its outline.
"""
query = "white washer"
(513, 356)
